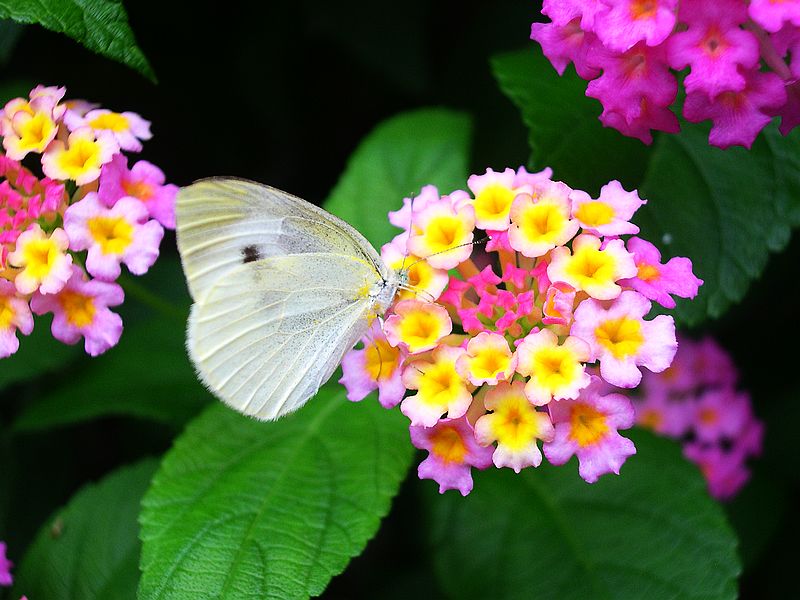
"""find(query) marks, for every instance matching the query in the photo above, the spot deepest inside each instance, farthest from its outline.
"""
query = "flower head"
(610, 214)
(488, 359)
(81, 158)
(557, 371)
(444, 233)
(540, 224)
(592, 268)
(43, 259)
(440, 388)
(127, 128)
(417, 326)
(145, 182)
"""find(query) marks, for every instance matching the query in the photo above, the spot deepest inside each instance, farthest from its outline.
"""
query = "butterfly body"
(281, 289)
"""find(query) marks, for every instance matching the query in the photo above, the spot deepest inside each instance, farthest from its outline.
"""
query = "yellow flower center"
(81, 156)
(542, 222)
(554, 367)
(39, 256)
(588, 425)
(138, 189)
(444, 232)
(79, 308)
(595, 213)
(113, 121)
(643, 9)
(6, 313)
(448, 445)
(113, 234)
(420, 328)
(493, 202)
(381, 360)
(440, 384)
(34, 133)
(622, 337)
(513, 424)
(590, 265)
(489, 364)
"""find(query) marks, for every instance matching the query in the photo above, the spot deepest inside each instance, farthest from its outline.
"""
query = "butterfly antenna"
(475, 243)
(410, 226)
(415, 290)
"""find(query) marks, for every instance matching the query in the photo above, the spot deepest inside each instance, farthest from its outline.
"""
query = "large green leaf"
(394, 161)
(651, 532)
(245, 509)
(726, 210)
(90, 549)
(100, 25)
(148, 375)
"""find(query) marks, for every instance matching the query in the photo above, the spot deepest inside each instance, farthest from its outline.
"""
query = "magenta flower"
(720, 413)
(656, 281)
(588, 428)
(567, 43)
(663, 415)
(5, 567)
(80, 309)
(651, 116)
(772, 14)
(564, 11)
(622, 340)
(145, 182)
(452, 452)
(628, 22)
(738, 117)
(113, 235)
(724, 474)
(15, 315)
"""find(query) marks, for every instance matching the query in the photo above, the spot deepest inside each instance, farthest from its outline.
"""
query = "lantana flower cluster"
(740, 60)
(65, 232)
(697, 401)
(487, 350)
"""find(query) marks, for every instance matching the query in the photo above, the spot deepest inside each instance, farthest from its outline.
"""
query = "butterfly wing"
(281, 290)
(223, 222)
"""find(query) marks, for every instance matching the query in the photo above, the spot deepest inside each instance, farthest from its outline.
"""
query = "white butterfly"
(281, 289)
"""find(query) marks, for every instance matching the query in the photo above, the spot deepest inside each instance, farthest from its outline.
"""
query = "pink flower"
(563, 44)
(657, 281)
(15, 314)
(627, 22)
(611, 213)
(720, 413)
(127, 128)
(80, 309)
(402, 218)
(622, 340)
(377, 366)
(145, 182)
(5, 567)
(650, 116)
(81, 158)
(714, 46)
(738, 116)
(113, 235)
(564, 11)
(663, 415)
(724, 473)
(43, 259)
(452, 452)
(588, 428)
(772, 14)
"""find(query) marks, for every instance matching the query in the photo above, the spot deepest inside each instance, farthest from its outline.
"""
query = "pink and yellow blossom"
(587, 427)
(539, 224)
(423, 280)
(127, 128)
(145, 182)
(515, 425)
(556, 370)
(440, 388)
(610, 214)
(112, 236)
(592, 268)
(494, 192)
(452, 453)
(417, 326)
(81, 310)
(378, 366)
(488, 359)
(443, 233)
(15, 315)
(622, 340)
(43, 260)
(81, 158)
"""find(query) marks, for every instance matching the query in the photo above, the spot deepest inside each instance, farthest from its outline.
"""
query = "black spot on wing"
(250, 254)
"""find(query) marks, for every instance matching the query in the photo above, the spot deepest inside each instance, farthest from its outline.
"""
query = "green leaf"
(245, 509)
(394, 161)
(38, 353)
(100, 25)
(726, 211)
(89, 549)
(148, 375)
(564, 132)
(651, 532)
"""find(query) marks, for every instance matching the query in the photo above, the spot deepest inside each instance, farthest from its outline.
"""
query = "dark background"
(282, 93)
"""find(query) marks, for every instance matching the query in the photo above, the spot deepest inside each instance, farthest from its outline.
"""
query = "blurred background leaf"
(100, 25)
(241, 508)
(651, 532)
(89, 550)
(429, 146)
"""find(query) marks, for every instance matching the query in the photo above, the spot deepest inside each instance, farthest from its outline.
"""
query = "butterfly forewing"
(281, 292)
